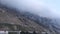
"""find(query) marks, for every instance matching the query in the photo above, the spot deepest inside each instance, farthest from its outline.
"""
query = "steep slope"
(10, 19)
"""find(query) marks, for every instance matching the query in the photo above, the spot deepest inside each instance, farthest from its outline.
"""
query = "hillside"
(12, 20)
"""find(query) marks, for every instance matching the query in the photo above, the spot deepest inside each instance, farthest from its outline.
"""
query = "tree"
(34, 32)
(22, 32)
(27, 32)
(46, 33)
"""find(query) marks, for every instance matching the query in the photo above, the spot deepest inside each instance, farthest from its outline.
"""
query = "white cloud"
(38, 7)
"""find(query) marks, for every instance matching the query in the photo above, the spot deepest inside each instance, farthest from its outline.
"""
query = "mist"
(37, 7)
(33, 6)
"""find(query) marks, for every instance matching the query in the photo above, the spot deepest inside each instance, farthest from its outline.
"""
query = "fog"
(33, 6)
(37, 7)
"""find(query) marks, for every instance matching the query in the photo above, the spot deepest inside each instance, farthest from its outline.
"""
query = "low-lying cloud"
(34, 6)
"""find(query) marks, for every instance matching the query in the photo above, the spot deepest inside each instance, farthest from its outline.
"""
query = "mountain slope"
(10, 19)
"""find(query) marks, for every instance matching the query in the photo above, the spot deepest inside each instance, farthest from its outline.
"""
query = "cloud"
(38, 7)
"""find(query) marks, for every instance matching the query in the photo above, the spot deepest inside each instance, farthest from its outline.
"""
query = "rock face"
(12, 20)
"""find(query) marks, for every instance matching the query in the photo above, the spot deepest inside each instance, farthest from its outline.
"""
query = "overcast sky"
(45, 8)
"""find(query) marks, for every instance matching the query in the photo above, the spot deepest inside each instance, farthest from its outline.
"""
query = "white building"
(3, 32)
